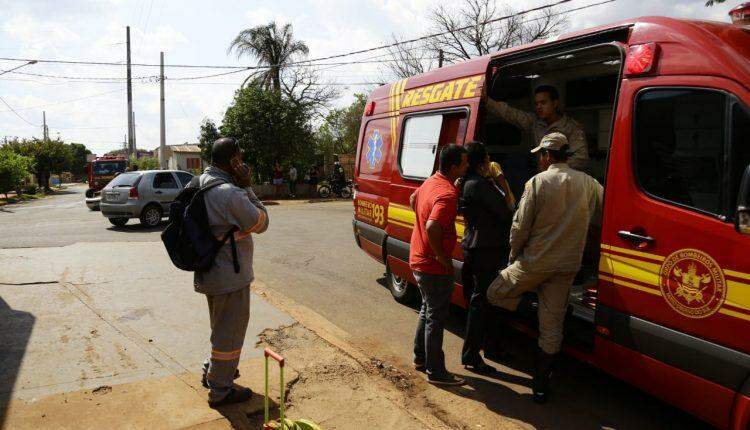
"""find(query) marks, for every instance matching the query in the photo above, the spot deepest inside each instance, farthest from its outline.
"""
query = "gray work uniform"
(227, 292)
(530, 123)
(547, 240)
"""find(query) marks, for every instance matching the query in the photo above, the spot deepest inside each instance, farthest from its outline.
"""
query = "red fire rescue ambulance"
(663, 296)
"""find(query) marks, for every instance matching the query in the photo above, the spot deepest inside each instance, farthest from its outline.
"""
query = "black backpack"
(188, 239)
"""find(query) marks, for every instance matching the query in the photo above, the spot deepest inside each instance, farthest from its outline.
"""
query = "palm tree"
(273, 48)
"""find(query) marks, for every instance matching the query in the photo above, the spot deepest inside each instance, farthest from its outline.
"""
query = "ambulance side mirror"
(742, 216)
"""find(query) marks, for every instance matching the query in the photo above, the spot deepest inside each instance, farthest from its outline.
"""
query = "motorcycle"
(329, 187)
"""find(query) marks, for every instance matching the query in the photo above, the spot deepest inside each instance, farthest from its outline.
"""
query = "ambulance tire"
(401, 290)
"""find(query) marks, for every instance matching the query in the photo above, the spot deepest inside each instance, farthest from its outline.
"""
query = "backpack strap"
(230, 234)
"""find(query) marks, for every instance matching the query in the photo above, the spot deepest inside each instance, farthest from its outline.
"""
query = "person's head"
(476, 155)
(552, 149)
(223, 151)
(453, 161)
(546, 102)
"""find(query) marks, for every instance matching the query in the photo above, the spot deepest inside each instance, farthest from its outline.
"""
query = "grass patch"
(21, 198)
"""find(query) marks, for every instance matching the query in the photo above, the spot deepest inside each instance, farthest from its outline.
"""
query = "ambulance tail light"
(641, 59)
(741, 15)
(370, 109)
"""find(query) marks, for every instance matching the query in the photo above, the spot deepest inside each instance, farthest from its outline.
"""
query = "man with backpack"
(231, 207)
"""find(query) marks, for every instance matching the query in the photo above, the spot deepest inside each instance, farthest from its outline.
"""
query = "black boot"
(544, 364)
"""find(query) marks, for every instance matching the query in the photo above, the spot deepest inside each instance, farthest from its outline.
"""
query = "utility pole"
(45, 129)
(441, 57)
(163, 133)
(131, 128)
(133, 138)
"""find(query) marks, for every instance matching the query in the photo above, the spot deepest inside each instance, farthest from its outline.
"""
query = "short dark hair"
(558, 154)
(223, 150)
(450, 156)
(549, 89)
(476, 154)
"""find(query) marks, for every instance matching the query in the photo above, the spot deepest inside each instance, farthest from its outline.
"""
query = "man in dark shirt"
(433, 240)
(487, 215)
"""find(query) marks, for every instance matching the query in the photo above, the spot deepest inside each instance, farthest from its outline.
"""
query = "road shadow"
(137, 227)
(15, 330)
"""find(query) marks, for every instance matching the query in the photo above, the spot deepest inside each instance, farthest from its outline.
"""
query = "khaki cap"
(554, 141)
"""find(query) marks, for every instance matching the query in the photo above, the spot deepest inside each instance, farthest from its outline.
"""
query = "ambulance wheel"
(401, 289)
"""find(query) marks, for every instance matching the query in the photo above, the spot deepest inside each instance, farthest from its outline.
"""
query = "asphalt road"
(309, 255)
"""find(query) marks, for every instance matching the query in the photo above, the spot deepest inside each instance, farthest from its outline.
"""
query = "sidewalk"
(110, 335)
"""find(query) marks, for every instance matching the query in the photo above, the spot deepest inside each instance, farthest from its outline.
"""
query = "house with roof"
(186, 156)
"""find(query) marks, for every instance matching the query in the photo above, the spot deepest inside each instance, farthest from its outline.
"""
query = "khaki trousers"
(230, 314)
(553, 289)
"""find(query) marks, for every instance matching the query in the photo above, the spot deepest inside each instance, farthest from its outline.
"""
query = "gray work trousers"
(428, 340)
(553, 290)
(230, 314)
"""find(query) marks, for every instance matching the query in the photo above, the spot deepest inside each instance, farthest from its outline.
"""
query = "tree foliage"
(14, 168)
(78, 161)
(339, 132)
(208, 135)
(471, 28)
(275, 49)
(50, 156)
(269, 127)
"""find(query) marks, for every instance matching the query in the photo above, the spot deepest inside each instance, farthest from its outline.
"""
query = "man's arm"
(579, 158)
(522, 221)
(435, 237)
(248, 211)
(517, 117)
(442, 215)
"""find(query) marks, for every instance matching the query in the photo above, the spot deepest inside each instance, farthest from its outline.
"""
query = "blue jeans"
(428, 340)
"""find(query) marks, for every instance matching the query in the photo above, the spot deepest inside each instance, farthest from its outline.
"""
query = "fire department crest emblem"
(374, 149)
(692, 283)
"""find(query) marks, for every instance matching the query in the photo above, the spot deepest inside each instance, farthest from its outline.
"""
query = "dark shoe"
(481, 368)
(447, 379)
(544, 364)
(419, 366)
(204, 378)
(235, 395)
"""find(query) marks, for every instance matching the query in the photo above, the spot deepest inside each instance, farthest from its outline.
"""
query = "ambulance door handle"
(641, 240)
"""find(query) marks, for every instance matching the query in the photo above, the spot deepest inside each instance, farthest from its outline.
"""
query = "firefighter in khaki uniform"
(547, 239)
(548, 119)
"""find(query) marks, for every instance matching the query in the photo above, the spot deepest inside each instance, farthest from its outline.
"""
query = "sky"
(94, 111)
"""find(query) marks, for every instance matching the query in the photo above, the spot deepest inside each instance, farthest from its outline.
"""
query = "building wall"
(180, 161)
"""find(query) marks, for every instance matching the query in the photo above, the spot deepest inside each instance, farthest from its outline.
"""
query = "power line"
(66, 101)
(17, 114)
(329, 57)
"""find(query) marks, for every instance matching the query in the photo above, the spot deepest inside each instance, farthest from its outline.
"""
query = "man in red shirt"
(434, 236)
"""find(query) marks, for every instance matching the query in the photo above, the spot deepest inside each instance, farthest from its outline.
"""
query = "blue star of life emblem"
(374, 149)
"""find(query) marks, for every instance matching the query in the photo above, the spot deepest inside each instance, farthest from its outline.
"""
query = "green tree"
(269, 128)
(339, 132)
(50, 156)
(208, 135)
(78, 161)
(274, 48)
(14, 168)
(148, 163)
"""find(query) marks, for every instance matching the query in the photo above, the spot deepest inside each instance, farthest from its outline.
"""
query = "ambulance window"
(423, 136)
(679, 146)
(740, 150)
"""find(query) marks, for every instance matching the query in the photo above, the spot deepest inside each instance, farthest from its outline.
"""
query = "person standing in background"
(292, 181)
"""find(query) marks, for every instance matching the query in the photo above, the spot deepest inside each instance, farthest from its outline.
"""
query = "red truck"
(101, 171)
(663, 297)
